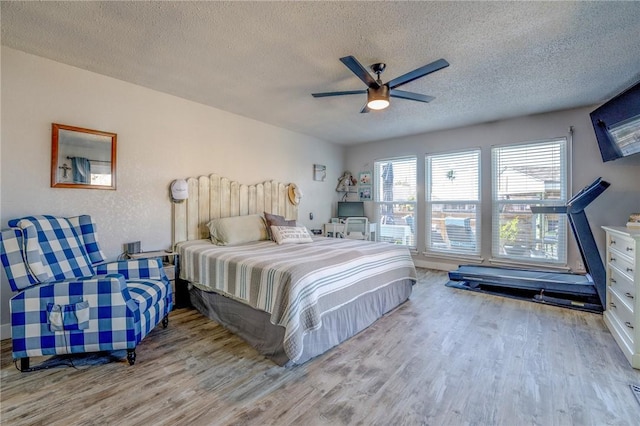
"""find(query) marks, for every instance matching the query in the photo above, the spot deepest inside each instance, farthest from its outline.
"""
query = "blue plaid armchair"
(69, 300)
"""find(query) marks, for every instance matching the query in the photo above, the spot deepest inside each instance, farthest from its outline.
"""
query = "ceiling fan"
(378, 93)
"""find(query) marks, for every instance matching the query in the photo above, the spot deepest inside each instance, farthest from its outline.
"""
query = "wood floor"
(446, 357)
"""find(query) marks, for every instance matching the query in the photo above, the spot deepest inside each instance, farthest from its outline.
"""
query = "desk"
(334, 229)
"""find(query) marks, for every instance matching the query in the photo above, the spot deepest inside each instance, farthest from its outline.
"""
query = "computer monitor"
(350, 209)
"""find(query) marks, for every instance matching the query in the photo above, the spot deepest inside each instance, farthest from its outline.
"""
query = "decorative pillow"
(290, 234)
(237, 230)
(276, 220)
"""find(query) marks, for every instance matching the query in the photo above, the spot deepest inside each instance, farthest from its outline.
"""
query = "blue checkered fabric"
(22, 258)
(61, 247)
(87, 231)
(125, 299)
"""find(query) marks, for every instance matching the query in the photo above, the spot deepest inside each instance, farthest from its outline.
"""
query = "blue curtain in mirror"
(81, 170)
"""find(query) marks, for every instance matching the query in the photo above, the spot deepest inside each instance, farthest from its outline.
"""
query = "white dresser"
(622, 314)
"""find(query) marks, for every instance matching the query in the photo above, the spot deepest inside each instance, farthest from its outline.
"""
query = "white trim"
(438, 266)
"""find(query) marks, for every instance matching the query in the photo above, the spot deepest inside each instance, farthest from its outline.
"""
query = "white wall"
(160, 138)
(611, 208)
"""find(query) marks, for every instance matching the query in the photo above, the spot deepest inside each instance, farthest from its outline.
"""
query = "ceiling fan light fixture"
(378, 99)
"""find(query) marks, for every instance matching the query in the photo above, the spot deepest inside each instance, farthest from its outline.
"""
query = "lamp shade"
(378, 98)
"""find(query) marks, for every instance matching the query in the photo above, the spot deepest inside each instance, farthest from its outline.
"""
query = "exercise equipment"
(585, 292)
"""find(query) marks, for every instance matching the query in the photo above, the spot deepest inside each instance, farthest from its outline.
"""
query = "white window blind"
(453, 202)
(395, 192)
(533, 173)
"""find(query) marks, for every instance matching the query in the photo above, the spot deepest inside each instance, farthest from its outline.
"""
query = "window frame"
(447, 250)
(497, 207)
(378, 203)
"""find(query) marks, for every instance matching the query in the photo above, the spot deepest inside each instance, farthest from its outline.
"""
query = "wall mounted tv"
(350, 209)
(617, 125)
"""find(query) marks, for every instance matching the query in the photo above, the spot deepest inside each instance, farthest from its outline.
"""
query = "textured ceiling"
(263, 59)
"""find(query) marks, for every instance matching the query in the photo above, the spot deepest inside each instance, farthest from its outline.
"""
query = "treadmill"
(583, 292)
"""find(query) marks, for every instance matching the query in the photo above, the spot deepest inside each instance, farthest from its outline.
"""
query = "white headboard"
(212, 197)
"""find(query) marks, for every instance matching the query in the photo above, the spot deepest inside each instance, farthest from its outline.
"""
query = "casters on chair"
(165, 321)
(131, 356)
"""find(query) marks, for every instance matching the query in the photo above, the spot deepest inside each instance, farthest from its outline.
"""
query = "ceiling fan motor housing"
(378, 68)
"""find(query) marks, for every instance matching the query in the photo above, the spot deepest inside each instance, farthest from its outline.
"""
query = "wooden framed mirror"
(82, 158)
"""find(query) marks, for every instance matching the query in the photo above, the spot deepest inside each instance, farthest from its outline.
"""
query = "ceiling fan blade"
(411, 96)
(348, 92)
(360, 71)
(365, 109)
(417, 73)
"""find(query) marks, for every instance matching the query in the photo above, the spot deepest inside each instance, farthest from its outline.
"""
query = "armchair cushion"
(134, 268)
(61, 248)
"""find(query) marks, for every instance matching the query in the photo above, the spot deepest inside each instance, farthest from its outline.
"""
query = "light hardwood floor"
(446, 357)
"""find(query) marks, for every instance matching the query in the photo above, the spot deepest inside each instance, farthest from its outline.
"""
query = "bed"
(291, 301)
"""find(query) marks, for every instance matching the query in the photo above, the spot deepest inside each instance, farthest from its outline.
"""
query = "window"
(395, 200)
(453, 202)
(533, 173)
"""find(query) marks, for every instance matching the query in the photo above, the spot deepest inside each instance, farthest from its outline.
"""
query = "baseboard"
(5, 331)
(439, 266)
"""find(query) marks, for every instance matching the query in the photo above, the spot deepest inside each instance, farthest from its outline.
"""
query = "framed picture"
(82, 158)
(365, 192)
(319, 172)
(365, 178)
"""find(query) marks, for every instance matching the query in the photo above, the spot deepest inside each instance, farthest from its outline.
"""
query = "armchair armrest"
(134, 268)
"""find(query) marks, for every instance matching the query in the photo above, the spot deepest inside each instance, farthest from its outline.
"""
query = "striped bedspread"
(295, 283)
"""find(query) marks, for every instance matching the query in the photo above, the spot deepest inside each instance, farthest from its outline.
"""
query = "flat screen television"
(617, 125)
(350, 209)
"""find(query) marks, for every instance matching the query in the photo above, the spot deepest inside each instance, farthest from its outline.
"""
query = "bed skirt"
(338, 325)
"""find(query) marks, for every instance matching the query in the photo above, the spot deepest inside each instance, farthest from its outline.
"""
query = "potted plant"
(509, 238)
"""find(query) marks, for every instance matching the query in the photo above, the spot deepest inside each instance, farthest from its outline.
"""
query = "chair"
(356, 228)
(69, 300)
(459, 233)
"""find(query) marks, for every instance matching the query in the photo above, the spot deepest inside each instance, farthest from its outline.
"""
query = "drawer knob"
(613, 259)
(629, 269)
(629, 295)
(628, 324)
(613, 241)
(613, 305)
(629, 248)
(613, 281)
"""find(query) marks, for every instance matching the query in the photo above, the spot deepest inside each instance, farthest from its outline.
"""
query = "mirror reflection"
(82, 158)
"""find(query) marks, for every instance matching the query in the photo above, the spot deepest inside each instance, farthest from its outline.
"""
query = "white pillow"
(237, 230)
(290, 234)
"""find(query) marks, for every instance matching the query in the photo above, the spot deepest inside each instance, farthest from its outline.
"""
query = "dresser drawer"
(623, 316)
(621, 263)
(622, 285)
(622, 244)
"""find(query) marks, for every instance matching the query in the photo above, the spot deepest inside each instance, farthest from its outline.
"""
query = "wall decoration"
(365, 192)
(346, 182)
(82, 158)
(319, 172)
(365, 178)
